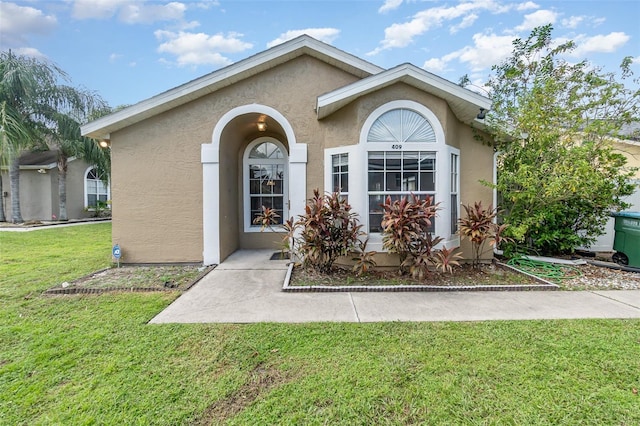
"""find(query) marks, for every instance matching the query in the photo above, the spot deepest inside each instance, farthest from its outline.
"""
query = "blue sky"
(128, 51)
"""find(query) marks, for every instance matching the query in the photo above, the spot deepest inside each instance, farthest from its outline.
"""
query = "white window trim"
(358, 185)
(246, 203)
(86, 194)
(352, 151)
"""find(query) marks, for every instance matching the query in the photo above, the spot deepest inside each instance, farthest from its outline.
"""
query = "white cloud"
(389, 5)
(17, 22)
(200, 48)
(128, 11)
(96, 9)
(146, 14)
(600, 43)
(466, 22)
(526, 6)
(326, 35)
(537, 19)
(487, 50)
(572, 22)
(30, 51)
(402, 34)
(636, 60)
(114, 57)
(439, 65)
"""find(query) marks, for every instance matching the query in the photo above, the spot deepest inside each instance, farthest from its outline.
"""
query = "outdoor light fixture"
(42, 171)
(104, 143)
(262, 126)
(482, 114)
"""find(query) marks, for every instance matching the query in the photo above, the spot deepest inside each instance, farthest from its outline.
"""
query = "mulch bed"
(135, 279)
(489, 277)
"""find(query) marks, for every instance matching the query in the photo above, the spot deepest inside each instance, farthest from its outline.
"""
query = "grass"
(94, 360)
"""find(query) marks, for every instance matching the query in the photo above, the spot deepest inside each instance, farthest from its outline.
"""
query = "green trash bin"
(626, 242)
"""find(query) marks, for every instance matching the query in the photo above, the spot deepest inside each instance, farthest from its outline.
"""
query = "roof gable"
(303, 45)
(464, 103)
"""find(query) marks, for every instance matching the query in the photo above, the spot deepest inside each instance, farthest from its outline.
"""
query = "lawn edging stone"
(543, 286)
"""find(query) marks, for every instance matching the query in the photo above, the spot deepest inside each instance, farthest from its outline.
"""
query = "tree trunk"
(14, 180)
(3, 218)
(62, 187)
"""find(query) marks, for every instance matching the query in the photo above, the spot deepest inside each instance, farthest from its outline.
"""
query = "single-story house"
(191, 167)
(630, 148)
(39, 199)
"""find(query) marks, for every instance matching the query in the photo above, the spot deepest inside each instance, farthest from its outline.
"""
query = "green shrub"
(479, 227)
(406, 230)
(329, 229)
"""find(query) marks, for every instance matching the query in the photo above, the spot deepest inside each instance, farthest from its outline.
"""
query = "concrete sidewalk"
(246, 288)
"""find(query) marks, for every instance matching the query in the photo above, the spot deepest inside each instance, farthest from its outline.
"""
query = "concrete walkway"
(246, 288)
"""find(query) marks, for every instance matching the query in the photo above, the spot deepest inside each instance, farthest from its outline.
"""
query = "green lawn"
(93, 360)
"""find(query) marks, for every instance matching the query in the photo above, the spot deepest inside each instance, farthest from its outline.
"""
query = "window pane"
(376, 160)
(428, 163)
(277, 188)
(454, 213)
(410, 181)
(376, 181)
(375, 221)
(91, 200)
(393, 181)
(266, 150)
(427, 181)
(394, 161)
(344, 177)
(410, 161)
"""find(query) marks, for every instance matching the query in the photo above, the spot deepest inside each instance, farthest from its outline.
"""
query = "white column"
(297, 179)
(210, 204)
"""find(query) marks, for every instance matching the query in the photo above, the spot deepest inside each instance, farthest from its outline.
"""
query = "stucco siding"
(157, 174)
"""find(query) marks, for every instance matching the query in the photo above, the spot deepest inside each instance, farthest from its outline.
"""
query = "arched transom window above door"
(265, 180)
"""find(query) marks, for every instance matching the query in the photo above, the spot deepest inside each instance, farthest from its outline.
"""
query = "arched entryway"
(239, 139)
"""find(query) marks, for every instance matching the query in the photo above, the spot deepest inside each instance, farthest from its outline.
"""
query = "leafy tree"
(65, 137)
(34, 107)
(552, 122)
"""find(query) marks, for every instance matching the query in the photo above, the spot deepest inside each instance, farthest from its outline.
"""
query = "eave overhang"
(464, 103)
(212, 82)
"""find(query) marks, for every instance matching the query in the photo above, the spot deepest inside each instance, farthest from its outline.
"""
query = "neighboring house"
(630, 148)
(39, 188)
(192, 166)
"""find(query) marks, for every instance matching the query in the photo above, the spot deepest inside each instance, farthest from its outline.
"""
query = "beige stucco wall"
(157, 173)
(632, 152)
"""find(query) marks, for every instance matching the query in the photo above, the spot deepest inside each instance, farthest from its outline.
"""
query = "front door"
(265, 180)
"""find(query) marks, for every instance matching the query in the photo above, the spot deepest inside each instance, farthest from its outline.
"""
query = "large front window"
(401, 151)
(398, 174)
(398, 164)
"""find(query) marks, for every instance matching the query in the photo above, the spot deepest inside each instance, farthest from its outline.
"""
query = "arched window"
(400, 161)
(265, 180)
(94, 188)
